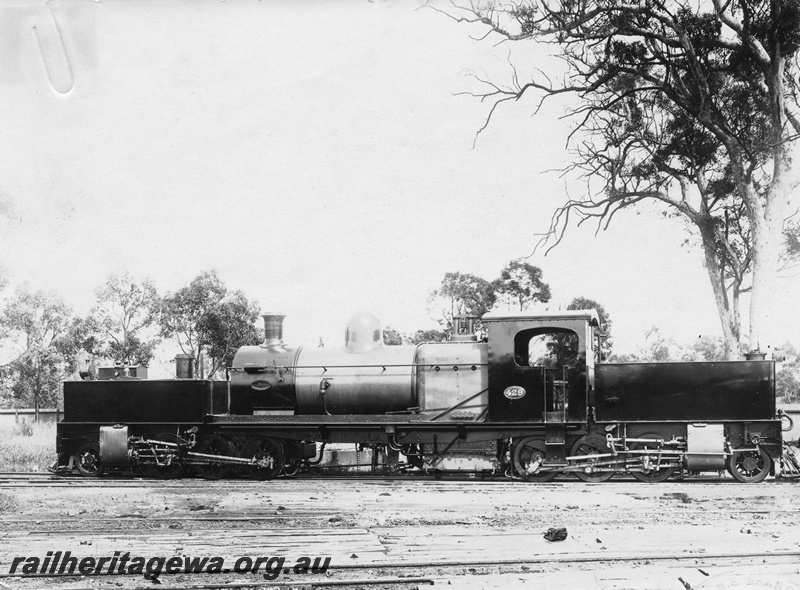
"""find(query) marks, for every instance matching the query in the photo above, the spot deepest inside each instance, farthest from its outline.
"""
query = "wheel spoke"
(87, 460)
(266, 451)
(592, 444)
(212, 470)
(749, 466)
(174, 469)
(529, 454)
(651, 475)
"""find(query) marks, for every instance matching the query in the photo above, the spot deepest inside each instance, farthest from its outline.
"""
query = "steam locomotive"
(530, 400)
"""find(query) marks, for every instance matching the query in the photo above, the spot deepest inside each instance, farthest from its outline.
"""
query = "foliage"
(180, 313)
(791, 240)
(692, 106)
(36, 326)
(656, 348)
(392, 337)
(521, 283)
(705, 348)
(462, 293)
(422, 336)
(604, 331)
(124, 314)
(226, 327)
(787, 379)
(204, 318)
(8, 503)
(20, 451)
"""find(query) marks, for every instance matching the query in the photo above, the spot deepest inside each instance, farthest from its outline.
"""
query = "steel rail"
(273, 584)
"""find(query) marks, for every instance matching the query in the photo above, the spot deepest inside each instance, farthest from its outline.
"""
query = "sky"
(317, 155)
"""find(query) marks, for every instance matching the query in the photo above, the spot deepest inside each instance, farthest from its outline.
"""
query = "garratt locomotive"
(531, 400)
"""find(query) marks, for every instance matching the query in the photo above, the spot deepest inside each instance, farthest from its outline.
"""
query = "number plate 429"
(514, 392)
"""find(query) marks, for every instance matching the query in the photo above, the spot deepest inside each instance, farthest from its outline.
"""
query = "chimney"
(184, 366)
(273, 329)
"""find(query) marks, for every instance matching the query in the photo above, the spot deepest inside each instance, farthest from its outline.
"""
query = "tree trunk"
(728, 314)
(766, 258)
(765, 212)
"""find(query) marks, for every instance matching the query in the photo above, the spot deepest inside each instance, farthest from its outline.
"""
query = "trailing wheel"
(210, 469)
(529, 453)
(749, 466)
(171, 470)
(650, 473)
(592, 444)
(268, 453)
(87, 460)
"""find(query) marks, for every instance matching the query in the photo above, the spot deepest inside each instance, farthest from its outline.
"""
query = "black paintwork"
(741, 394)
(699, 392)
(128, 401)
(508, 369)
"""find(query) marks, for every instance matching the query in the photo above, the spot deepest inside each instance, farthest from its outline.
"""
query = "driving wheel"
(216, 445)
(651, 474)
(268, 452)
(592, 444)
(174, 469)
(529, 453)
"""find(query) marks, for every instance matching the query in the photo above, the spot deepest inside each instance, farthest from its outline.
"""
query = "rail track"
(404, 532)
(427, 572)
(10, 479)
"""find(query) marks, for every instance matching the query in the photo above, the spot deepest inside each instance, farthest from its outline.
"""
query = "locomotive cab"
(541, 367)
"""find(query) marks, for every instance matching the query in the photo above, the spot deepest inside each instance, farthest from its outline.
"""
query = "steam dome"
(364, 333)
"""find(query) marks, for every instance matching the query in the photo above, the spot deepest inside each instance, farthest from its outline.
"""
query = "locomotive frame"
(530, 401)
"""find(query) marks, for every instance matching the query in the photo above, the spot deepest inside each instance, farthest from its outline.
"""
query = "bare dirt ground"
(703, 533)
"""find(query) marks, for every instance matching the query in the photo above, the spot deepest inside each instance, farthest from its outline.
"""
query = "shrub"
(30, 449)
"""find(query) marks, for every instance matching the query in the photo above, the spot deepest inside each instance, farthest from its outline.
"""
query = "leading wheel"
(592, 444)
(649, 473)
(171, 470)
(87, 460)
(529, 453)
(268, 453)
(749, 466)
(216, 445)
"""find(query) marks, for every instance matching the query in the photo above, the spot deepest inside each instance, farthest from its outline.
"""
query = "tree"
(787, 379)
(422, 336)
(32, 320)
(604, 331)
(181, 312)
(706, 348)
(689, 105)
(392, 337)
(656, 348)
(226, 327)
(35, 327)
(124, 313)
(204, 318)
(521, 283)
(791, 240)
(462, 293)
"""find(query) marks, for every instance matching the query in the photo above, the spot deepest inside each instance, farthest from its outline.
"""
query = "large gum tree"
(692, 105)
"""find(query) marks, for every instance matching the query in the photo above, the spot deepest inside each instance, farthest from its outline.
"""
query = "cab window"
(546, 347)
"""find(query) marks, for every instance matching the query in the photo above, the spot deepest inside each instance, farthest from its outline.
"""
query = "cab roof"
(590, 315)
